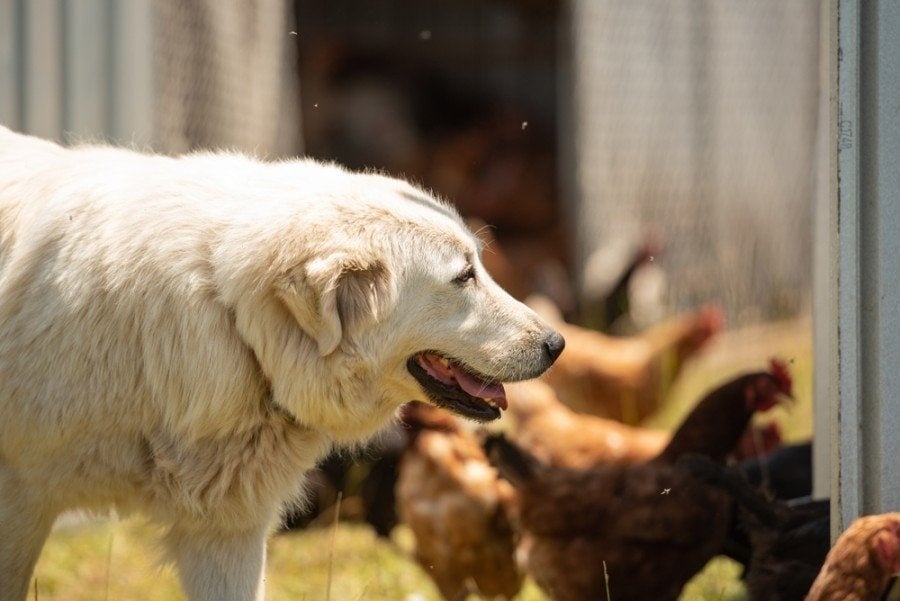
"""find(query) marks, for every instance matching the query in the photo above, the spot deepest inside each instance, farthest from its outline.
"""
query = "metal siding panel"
(9, 69)
(879, 251)
(132, 72)
(42, 106)
(77, 69)
(86, 60)
(868, 419)
(847, 484)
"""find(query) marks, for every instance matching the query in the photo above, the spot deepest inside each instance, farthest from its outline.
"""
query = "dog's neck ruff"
(272, 408)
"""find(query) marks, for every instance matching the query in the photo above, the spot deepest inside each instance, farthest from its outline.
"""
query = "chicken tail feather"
(707, 471)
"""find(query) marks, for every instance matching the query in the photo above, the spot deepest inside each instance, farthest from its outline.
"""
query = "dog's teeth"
(490, 402)
(446, 362)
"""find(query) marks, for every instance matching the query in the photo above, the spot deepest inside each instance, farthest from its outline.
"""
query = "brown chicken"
(454, 503)
(650, 527)
(558, 436)
(626, 379)
(862, 562)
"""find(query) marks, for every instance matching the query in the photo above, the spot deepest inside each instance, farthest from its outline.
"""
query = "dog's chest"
(243, 476)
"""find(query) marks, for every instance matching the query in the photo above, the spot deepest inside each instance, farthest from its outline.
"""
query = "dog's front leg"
(220, 566)
(24, 525)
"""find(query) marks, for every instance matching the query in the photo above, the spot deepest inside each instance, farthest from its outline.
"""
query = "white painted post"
(825, 258)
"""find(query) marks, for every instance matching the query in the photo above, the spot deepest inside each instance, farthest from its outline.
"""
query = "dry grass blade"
(109, 563)
(337, 515)
(606, 582)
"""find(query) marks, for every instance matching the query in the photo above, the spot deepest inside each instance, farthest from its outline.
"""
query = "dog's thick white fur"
(185, 336)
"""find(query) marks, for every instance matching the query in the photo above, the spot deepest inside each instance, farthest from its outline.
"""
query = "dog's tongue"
(480, 388)
(450, 373)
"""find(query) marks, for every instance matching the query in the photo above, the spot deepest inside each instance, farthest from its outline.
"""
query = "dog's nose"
(554, 344)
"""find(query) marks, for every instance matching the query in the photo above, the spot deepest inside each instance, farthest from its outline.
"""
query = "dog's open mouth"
(457, 388)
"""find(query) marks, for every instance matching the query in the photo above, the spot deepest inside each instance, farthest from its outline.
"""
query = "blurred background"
(633, 159)
(599, 129)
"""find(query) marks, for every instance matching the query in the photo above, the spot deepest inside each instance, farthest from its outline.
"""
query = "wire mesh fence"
(226, 76)
(697, 121)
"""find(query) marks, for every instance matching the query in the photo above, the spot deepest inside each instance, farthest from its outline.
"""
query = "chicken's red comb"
(782, 375)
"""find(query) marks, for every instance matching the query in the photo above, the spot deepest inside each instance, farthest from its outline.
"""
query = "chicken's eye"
(467, 275)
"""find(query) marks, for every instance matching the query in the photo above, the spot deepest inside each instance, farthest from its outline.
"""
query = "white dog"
(185, 336)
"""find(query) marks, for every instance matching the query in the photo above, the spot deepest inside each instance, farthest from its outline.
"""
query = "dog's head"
(459, 335)
(395, 305)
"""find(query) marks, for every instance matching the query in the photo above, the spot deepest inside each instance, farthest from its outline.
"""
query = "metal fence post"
(866, 475)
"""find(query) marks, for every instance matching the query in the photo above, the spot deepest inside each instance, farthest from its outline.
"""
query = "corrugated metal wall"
(165, 74)
(75, 69)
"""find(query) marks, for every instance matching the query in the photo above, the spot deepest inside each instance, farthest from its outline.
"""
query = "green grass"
(119, 561)
(719, 581)
(113, 560)
(77, 566)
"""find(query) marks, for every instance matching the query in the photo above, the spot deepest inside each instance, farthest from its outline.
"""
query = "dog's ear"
(329, 295)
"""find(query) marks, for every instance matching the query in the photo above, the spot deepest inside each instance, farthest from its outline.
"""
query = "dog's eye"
(467, 275)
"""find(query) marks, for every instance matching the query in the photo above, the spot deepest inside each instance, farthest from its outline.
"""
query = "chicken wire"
(226, 76)
(697, 120)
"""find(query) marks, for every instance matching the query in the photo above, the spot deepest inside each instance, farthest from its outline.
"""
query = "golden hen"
(626, 379)
(557, 435)
(454, 503)
(862, 562)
